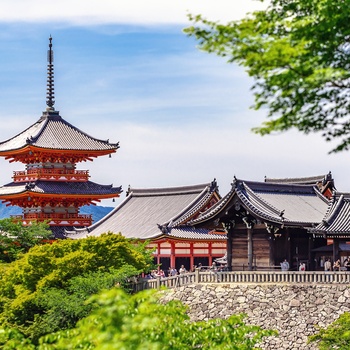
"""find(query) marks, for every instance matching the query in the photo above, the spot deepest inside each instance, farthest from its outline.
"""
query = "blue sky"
(124, 71)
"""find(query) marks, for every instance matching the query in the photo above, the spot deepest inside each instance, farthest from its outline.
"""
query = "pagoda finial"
(50, 95)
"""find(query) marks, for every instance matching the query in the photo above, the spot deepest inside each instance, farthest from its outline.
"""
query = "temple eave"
(30, 199)
(31, 154)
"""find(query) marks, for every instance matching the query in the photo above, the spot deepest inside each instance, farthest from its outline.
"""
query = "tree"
(16, 239)
(46, 289)
(12, 339)
(335, 336)
(140, 321)
(297, 51)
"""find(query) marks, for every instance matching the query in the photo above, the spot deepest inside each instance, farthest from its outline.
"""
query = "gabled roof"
(58, 188)
(336, 221)
(52, 132)
(157, 212)
(274, 203)
(310, 180)
(325, 183)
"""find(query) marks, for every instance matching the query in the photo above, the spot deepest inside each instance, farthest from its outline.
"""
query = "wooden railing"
(51, 174)
(56, 218)
(253, 277)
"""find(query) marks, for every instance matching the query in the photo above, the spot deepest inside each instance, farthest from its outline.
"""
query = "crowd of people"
(337, 265)
(326, 264)
(172, 271)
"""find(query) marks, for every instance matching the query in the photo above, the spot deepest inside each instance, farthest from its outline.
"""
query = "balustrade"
(51, 174)
(249, 277)
(62, 216)
(56, 218)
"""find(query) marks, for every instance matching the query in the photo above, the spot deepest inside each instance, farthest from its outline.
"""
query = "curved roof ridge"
(304, 180)
(333, 210)
(279, 187)
(52, 131)
(257, 211)
(191, 208)
(81, 131)
(320, 195)
(217, 207)
(38, 122)
(259, 199)
(160, 191)
(56, 188)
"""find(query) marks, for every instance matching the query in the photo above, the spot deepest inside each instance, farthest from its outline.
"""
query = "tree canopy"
(140, 321)
(335, 336)
(298, 53)
(16, 239)
(45, 290)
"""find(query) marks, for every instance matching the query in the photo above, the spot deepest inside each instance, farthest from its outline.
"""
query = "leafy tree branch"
(298, 54)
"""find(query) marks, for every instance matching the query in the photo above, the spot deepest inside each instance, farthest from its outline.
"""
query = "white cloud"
(182, 117)
(137, 12)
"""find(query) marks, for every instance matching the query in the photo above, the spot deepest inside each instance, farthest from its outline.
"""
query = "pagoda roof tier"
(47, 191)
(52, 138)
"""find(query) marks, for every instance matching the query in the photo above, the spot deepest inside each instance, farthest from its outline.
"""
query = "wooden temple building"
(335, 229)
(267, 222)
(160, 215)
(50, 188)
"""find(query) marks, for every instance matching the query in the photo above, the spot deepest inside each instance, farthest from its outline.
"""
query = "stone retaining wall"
(293, 310)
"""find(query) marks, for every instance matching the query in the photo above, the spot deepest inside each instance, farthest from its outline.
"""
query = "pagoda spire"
(50, 95)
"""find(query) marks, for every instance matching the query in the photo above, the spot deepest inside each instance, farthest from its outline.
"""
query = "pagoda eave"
(36, 195)
(32, 154)
(30, 199)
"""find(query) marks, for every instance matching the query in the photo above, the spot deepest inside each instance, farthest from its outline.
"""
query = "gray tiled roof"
(337, 219)
(300, 204)
(51, 131)
(56, 187)
(151, 213)
(287, 204)
(192, 233)
(310, 180)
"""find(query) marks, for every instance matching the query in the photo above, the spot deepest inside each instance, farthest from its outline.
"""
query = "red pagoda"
(51, 188)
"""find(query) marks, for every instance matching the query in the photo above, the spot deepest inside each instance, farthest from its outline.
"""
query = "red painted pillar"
(158, 254)
(172, 254)
(191, 257)
(210, 253)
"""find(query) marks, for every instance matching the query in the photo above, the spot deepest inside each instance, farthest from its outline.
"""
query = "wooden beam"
(250, 248)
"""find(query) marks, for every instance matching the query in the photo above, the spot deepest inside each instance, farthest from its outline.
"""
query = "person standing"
(336, 265)
(285, 265)
(327, 265)
(182, 270)
(173, 272)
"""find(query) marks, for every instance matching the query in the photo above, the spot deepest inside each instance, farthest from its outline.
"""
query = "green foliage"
(45, 290)
(298, 53)
(336, 336)
(11, 339)
(16, 239)
(122, 322)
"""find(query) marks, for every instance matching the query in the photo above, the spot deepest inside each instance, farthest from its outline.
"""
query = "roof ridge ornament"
(50, 95)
